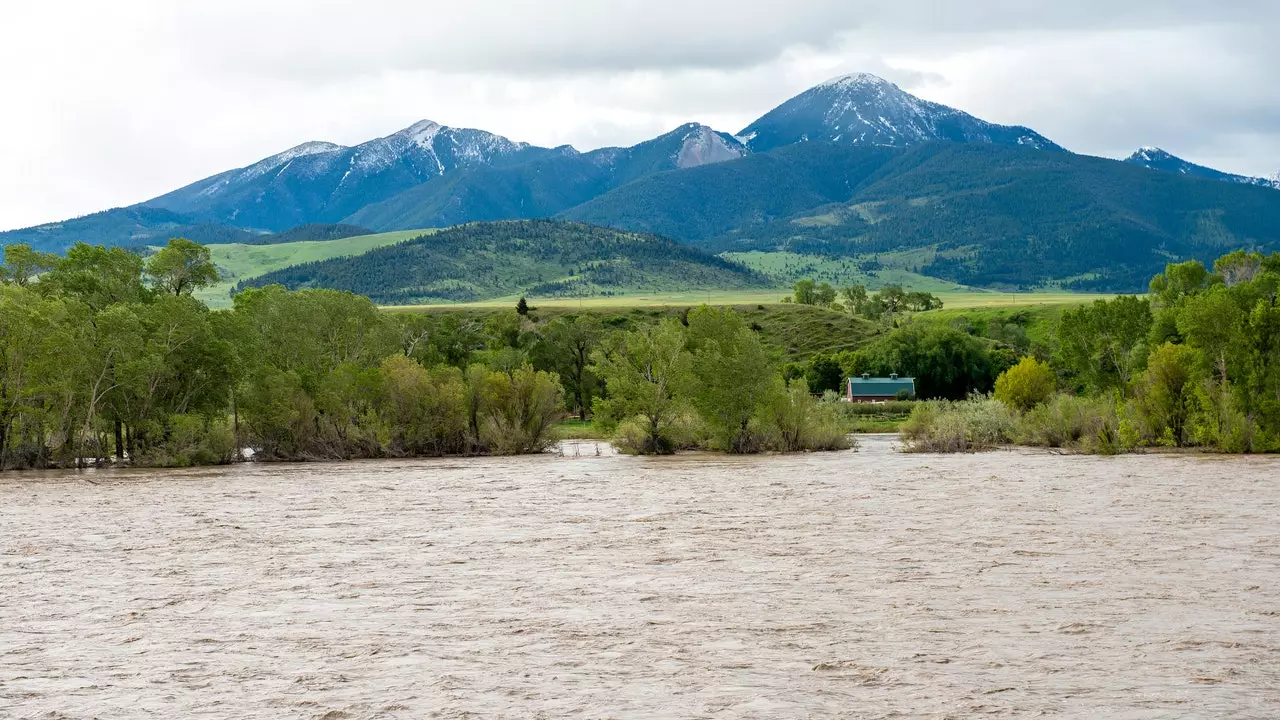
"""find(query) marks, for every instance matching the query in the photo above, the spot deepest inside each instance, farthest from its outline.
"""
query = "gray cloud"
(113, 103)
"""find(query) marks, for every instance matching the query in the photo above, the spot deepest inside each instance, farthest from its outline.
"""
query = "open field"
(238, 262)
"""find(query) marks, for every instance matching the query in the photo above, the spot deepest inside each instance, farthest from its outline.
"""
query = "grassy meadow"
(237, 262)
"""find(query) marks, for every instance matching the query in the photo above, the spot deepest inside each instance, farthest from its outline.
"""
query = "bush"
(797, 422)
(1067, 421)
(979, 423)
(519, 410)
(1026, 384)
(190, 441)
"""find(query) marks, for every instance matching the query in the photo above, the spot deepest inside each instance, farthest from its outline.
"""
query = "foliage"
(648, 374)
(565, 347)
(945, 362)
(1025, 385)
(1067, 421)
(733, 376)
(1103, 345)
(807, 292)
(979, 423)
(799, 422)
(22, 264)
(1211, 381)
(182, 267)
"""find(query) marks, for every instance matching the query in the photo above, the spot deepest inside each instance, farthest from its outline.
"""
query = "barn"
(867, 389)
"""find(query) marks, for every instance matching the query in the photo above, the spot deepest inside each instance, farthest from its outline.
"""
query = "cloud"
(109, 104)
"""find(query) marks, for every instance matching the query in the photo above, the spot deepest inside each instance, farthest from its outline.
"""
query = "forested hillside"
(987, 214)
(703, 203)
(538, 257)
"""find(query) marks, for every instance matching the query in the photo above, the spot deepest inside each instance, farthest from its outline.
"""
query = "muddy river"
(859, 584)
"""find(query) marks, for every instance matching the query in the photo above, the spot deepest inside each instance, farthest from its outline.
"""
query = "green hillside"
(239, 262)
(976, 214)
(538, 257)
(793, 332)
(698, 204)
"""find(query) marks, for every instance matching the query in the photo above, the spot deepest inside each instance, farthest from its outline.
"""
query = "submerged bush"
(796, 422)
(519, 410)
(192, 441)
(979, 423)
(1067, 421)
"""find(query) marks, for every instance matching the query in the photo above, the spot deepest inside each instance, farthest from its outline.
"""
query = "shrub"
(797, 422)
(979, 423)
(519, 410)
(1067, 421)
(1025, 385)
(190, 441)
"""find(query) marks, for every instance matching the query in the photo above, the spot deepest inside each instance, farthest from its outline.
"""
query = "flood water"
(858, 584)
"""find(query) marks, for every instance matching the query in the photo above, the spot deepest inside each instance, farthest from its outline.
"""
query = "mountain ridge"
(1155, 158)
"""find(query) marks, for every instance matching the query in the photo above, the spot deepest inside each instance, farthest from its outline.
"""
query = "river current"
(867, 584)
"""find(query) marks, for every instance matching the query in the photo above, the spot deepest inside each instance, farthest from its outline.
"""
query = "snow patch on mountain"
(1155, 158)
(865, 109)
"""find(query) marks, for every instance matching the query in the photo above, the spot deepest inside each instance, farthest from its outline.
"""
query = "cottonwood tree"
(648, 374)
(734, 375)
(182, 267)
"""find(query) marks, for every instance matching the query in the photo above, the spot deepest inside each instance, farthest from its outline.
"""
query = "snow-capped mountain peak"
(1155, 158)
(423, 133)
(865, 109)
(854, 80)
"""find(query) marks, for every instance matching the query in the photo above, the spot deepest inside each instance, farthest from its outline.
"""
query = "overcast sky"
(107, 104)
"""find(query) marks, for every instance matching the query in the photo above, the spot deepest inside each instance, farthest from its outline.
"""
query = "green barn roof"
(880, 387)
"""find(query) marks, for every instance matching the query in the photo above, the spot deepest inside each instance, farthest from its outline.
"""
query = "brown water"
(867, 584)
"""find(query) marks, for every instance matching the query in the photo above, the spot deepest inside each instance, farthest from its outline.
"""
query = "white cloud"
(111, 103)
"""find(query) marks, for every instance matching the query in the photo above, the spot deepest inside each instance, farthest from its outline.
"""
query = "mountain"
(699, 204)
(863, 109)
(322, 182)
(538, 257)
(127, 227)
(548, 185)
(1157, 159)
(978, 213)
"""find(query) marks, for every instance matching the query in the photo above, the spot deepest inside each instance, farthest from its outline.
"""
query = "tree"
(182, 267)
(855, 297)
(1238, 267)
(519, 409)
(1026, 384)
(805, 292)
(1163, 394)
(522, 307)
(1104, 344)
(565, 347)
(824, 296)
(945, 362)
(647, 374)
(22, 264)
(733, 373)
(97, 276)
(823, 373)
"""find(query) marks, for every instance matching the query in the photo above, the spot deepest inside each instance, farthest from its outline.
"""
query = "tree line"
(105, 354)
(1196, 363)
